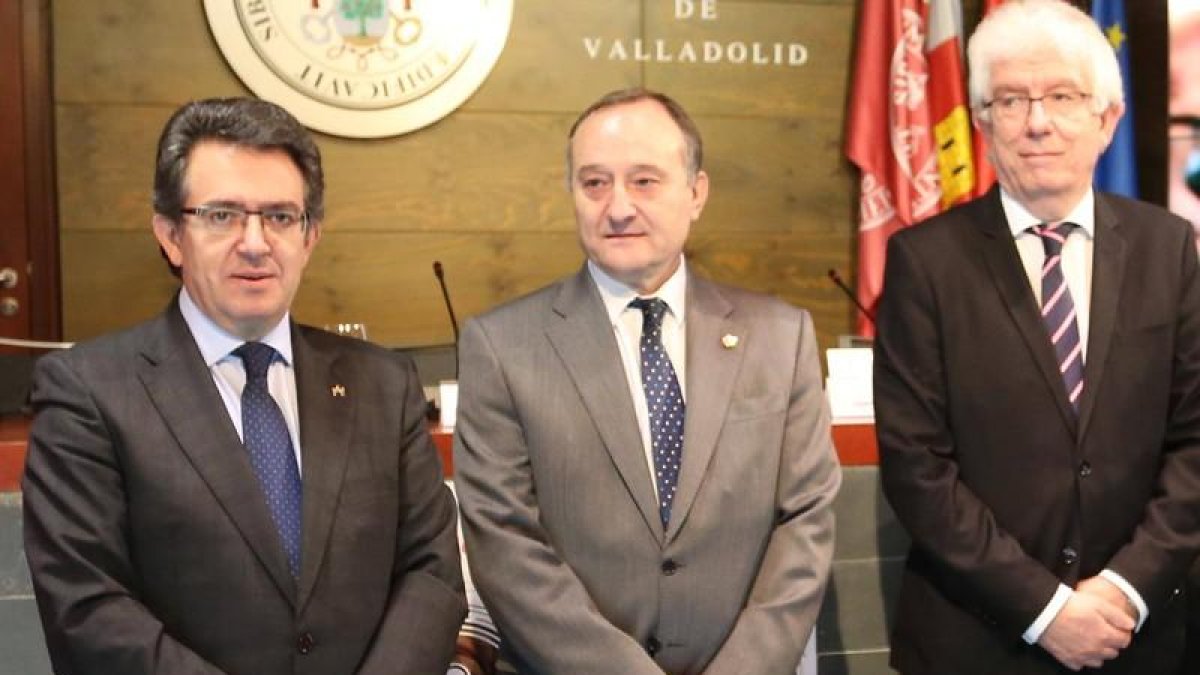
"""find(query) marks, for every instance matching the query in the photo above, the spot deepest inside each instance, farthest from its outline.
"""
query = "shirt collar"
(617, 296)
(216, 343)
(1020, 219)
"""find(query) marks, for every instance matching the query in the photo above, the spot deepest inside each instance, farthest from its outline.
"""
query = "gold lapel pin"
(729, 341)
(338, 391)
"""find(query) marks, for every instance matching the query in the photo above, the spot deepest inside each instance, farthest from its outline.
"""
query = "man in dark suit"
(219, 489)
(1037, 385)
(643, 456)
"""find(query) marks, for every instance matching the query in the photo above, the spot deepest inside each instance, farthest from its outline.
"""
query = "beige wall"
(482, 190)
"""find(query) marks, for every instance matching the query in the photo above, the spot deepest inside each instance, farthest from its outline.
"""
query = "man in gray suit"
(219, 489)
(643, 456)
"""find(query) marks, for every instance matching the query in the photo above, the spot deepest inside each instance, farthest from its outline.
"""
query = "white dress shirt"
(1076, 264)
(627, 327)
(216, 347)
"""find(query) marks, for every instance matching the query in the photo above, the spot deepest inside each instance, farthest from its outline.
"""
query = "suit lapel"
(711, 371)
(1108, 271)
(328, 399)
(181, 388)
(582, 337)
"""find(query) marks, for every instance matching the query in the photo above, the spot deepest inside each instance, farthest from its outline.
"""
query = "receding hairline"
(596, 110)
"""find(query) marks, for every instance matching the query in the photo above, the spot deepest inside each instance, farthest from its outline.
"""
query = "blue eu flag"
(1117, 170)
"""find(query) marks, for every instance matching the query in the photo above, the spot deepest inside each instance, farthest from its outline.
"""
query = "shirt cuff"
(1042, 622)
(1130, 592)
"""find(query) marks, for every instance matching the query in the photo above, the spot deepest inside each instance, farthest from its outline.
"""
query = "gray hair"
(1017, 27)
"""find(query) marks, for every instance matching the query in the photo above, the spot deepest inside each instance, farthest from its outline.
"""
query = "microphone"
(441, 277)
(837, 280)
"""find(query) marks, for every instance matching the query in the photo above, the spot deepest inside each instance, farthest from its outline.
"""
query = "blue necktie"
(1058, 311)
(266, 436)
(664, 402)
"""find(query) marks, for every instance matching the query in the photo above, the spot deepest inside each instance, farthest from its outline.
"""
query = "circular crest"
(362, 68)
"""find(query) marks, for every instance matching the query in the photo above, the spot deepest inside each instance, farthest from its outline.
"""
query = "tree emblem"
(363, 26)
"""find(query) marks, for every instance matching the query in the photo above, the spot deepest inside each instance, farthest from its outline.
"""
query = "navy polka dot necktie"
(664, 403)
(266, 436)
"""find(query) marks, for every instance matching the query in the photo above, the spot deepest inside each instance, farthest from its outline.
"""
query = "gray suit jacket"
(563, 534)
(151, 547)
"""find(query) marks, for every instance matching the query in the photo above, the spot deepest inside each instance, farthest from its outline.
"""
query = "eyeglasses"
(1011, 108)
(1185, 133)
(227, 218)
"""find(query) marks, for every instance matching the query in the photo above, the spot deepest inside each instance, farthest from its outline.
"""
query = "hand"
(1103, 588)
(1087, 632)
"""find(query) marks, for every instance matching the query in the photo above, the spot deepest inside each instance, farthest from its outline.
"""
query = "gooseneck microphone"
(441, 277)
(837, 280)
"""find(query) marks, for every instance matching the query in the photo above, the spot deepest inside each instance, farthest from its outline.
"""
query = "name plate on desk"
(848, 386)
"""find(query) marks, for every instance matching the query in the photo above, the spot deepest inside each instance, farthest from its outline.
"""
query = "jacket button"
(653, 646)
(1069, 556)
(1085, 470)
(306, 643)
(670, 567)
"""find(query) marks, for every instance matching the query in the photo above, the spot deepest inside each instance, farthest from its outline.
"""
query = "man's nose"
(621, 208)
(254, 239)
(1038, 120)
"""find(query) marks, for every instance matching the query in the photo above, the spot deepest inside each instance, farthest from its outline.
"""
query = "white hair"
(1020, 27)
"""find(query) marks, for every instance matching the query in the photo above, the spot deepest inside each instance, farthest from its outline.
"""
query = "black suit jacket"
(151, 547)
(1004, 491)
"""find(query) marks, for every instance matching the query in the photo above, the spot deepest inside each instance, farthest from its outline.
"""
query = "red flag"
(909, 127)
(889, 135)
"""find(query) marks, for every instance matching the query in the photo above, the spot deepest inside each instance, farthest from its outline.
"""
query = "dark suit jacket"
(562, 527)
(1004, 492)
(151, 547)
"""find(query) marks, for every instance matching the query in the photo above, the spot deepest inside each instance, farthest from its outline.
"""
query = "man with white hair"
(1037, 383)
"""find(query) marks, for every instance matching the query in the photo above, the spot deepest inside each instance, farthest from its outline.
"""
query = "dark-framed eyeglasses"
(227, 218)
(1185, 130)
(1059, 103)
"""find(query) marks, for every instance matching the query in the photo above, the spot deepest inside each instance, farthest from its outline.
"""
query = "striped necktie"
(1058, 310)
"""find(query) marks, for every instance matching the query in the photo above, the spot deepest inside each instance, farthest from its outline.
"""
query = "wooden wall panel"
(483, 189)
(136, 51)
(111, 280)
(771, 175)
(105, 167)
(768, 173)
(501, 171)
(549, 69)
(382, 279)
(818, 87)
(386, 280)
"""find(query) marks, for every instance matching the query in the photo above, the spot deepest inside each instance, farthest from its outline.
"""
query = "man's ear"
(699, 194)
(166, 231)
(1108, 122)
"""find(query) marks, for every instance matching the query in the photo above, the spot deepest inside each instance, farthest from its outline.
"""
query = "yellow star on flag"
(1116, 36)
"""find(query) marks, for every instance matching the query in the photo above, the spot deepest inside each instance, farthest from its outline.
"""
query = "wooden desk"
(855, 444)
